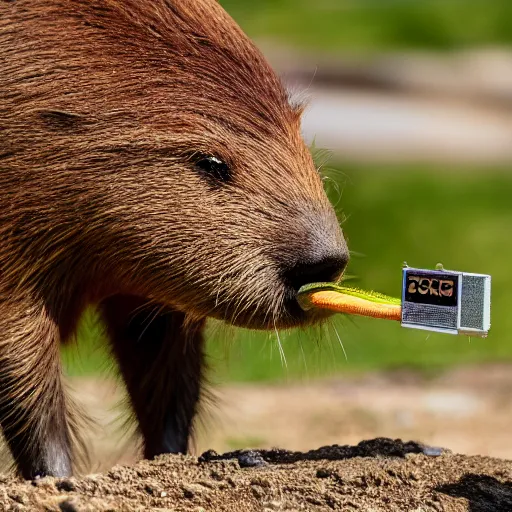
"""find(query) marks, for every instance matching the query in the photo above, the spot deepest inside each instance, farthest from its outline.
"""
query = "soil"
(466, 410)
(292, 481)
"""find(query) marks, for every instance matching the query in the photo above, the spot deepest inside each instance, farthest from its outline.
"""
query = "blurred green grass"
(424, 215)
(376, 24)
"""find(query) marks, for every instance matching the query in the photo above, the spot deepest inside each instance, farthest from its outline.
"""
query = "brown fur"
(106, 107)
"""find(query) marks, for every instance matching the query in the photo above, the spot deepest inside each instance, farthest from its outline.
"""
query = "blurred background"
(410, 114)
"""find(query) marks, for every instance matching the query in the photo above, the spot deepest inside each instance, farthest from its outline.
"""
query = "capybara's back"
(151, 165)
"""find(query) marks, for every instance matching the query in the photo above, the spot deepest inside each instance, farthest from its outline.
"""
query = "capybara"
(152, 166)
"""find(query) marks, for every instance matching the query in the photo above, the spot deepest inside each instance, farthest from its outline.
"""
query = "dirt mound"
(379, 475)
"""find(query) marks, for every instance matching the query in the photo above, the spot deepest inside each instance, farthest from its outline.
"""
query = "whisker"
(304, 357)
(157, 312)
(281, 351)
(339, 339)
(141, 308)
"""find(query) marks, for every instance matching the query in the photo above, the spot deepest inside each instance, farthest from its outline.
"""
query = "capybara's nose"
(326, 269)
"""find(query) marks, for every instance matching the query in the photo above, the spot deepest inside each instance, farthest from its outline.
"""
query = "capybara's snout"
(311, 270)
(289, 244)
(313, 252)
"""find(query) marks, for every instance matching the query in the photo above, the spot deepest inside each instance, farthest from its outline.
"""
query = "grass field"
(462, 218)
(376, 24)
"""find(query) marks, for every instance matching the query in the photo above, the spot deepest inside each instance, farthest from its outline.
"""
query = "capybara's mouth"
(289, 315)
(297, 317)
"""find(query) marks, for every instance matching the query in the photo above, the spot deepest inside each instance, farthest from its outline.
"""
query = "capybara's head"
(171, 159)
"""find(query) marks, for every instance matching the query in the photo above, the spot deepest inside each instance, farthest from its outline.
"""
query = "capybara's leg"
(160, 355)
(32, 401)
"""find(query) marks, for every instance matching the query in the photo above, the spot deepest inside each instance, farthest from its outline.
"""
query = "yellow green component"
(306, 292)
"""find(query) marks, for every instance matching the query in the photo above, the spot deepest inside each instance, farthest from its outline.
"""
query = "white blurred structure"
(392, 128)
(451, 108)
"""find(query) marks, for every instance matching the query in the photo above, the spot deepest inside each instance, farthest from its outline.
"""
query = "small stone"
(191, 490)
(251, 459)
(323, 473)
(65, 485)
(432, 451)
(188, 493)
(257, 491)
(68, 506)
(216, 475)
(149, 489)
(230, 481)
(208, 456)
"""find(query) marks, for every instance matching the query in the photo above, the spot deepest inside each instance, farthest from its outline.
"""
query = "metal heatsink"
(446, 301)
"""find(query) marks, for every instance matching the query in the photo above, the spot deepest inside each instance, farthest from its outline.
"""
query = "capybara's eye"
(214, 168)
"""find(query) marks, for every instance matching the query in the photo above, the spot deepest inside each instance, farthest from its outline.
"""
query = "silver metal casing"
(446, 301)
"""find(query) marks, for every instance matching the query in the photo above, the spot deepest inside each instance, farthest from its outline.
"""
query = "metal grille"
(472, 302)
(429, 315)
